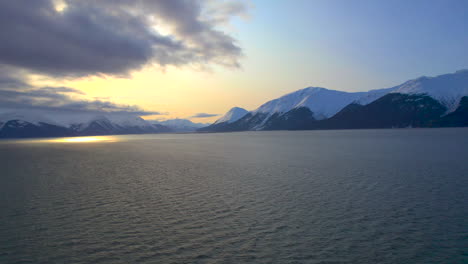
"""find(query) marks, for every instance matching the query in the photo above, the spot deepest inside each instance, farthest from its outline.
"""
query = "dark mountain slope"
(22, 129)
(391, 110)
(458, 118)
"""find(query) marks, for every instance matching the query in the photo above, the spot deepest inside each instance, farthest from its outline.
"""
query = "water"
(363, 196)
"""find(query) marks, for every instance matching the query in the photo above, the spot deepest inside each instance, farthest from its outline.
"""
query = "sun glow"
(60, 5)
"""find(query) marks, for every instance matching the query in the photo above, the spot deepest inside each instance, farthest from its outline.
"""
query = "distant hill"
(22, 124)
(180, 125)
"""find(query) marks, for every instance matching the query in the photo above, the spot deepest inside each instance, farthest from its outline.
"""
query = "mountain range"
(24, 124)
(180, 125)
(440, 101)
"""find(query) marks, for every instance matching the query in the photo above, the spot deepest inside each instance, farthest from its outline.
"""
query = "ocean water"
(351, 196)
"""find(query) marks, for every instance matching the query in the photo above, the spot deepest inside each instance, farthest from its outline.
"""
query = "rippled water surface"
(364, 196)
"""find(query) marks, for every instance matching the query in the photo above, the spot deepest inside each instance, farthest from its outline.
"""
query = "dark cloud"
(58, 99)
(114, 37)
(203, 115)
(12, 78)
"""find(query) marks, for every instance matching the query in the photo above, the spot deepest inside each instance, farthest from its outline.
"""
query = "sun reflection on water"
(82, 139)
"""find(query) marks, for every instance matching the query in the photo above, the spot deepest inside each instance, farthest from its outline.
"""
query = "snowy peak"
(123, 120)
(97, 121)
(179, 122)
(322, 102)
(129, 121)
(448, 89)
(232, 115)
(24, 116)
(180, 125)
(117, 124)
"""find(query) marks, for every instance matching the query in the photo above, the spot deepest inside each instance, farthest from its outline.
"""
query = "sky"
(194, 59)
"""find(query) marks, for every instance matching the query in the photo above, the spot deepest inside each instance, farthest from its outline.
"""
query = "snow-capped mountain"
(49, 124)
(440, 101)
(322, 102)
(112, 123)
(448, 89)
(28, 124)
(25, 117)
(232, 115)
(99, 125)
(180, 125)
(418, 102)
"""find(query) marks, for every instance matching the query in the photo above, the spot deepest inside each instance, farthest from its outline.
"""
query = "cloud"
(57, 99)
(115, 37)
(203, 115)
(12, 78)
(220, 12)
(61, 89)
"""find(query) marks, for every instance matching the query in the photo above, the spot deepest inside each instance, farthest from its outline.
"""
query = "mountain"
(230, 117)
(390, 111)
(116, 124)
(457, 118)
(422, 102)
(180, 125)
(324, 103)
(448, 89)
(440, 101)
(23, 124)
(321, 102)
